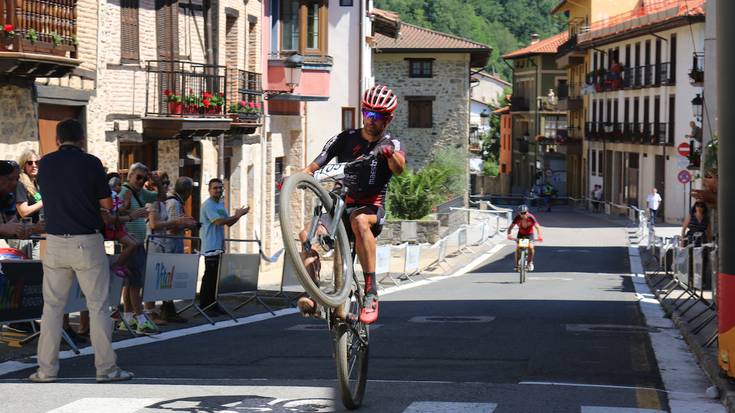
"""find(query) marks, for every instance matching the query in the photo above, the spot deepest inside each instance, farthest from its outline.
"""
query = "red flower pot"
(175, 108)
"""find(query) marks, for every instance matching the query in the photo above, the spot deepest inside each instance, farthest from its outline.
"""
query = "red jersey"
(530, 222)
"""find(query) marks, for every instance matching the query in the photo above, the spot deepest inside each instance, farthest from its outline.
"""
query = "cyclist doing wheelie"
(367, 183)
(526, 223)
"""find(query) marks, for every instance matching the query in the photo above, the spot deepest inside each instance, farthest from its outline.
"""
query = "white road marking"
(605, 328)
(451, 319)
(605, 409)
(107, 405)
(450, 407)
(321, 327)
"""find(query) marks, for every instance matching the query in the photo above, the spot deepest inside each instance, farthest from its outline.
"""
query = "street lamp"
(697, 104)
(293, 65)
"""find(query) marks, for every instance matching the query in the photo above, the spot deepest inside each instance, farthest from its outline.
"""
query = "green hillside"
(503, 24)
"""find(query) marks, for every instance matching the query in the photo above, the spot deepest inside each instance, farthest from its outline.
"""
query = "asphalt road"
(571, 339)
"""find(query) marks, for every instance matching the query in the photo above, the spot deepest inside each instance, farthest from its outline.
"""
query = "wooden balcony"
(38, 38)
(185, 99)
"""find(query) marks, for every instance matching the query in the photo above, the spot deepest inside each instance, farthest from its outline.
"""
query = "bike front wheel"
(522, 267)
(351, 355)
(322, 264)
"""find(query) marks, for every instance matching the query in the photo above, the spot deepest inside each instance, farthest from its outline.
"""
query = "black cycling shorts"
(528, 236)
(376, 229)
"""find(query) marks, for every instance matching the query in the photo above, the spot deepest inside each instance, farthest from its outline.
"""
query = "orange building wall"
(506, 144)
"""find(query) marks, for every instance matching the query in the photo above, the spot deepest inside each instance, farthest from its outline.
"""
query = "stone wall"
(18, 124)
(450, 110)
(415, 232)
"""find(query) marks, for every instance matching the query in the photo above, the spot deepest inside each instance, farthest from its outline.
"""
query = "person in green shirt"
(136, 197)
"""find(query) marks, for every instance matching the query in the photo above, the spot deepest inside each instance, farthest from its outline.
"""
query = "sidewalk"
(269, 285)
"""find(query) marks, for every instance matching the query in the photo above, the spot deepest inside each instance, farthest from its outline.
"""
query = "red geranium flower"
(257, 105)
(8, 28)
(167, 92)
(222, 94)
(205, 102)
(243, 103)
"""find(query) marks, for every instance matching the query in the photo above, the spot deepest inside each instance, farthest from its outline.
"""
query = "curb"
(705, 360)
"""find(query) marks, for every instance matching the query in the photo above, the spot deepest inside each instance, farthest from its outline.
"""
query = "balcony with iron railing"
(696, 73)
(185, 99)
(38, 38)
(642, 133)
(246, 99)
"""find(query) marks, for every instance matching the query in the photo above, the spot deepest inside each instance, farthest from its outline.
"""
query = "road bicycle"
(317, 204)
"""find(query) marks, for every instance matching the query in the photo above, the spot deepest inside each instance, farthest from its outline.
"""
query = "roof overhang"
(651, 29)
(386, 23)
(478, 57)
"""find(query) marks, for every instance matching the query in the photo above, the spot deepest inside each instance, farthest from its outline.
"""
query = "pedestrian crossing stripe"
(450, 407)
(107, 405)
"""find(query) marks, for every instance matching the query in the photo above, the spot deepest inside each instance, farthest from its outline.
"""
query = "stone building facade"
(430, 73)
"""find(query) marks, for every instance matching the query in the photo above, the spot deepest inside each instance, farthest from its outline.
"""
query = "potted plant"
(8, 35)
(216, 102)
(174, 102)
(192, 103)
(249, 110)
(32, 35)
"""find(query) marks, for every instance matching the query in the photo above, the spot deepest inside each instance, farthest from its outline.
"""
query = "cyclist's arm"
(538, 230)
(330, 150)
(397, 162)
(510, 227)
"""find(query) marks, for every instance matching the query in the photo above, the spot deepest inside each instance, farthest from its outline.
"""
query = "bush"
(490, 167)
(414, 195)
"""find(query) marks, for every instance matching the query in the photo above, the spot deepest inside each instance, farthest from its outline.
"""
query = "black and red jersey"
(531, 221)
(371, 181)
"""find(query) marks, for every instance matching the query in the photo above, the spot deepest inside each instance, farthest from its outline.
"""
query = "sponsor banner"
(238, 273)
(413, 254)
(170, 276)
(77, 301)
(382, 259)
(21, 290)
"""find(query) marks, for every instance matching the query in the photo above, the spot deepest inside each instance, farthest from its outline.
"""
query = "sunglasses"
(374, 115)
(29, 163)
(524, 213)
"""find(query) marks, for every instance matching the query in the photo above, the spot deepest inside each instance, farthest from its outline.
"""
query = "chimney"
(534, 38)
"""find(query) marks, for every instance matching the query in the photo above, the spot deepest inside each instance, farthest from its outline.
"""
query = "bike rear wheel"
(351, 355)
(303, 202)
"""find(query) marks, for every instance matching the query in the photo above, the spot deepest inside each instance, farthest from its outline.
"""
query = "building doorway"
(48, 117)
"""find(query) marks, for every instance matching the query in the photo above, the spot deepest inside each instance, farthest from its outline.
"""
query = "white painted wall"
(675, 194)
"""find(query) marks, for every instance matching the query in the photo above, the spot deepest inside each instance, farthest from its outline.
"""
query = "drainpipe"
(726, 190)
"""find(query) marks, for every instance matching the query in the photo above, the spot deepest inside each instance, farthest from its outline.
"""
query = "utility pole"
(726, 190)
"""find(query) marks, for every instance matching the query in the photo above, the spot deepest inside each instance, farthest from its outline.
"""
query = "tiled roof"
(544, 46)
(418, 39)
(640, 18)
(386, 22)
(494, 77)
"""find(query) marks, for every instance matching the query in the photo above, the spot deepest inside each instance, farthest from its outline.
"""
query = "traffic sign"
(683, 149)
(682, 162)
(684, 177)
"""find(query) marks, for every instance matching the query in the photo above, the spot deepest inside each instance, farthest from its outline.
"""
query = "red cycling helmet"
(379, 99)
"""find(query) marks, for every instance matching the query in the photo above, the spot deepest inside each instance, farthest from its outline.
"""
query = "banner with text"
(170, 276)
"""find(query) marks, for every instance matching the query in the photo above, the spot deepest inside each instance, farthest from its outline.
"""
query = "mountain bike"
(523, 245)
(311, 213)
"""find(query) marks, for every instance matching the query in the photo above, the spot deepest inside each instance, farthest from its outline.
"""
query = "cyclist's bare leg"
(531, 253)
(311, 258)
(364, 239)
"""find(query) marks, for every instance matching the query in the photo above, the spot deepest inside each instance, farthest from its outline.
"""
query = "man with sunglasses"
(9, 225)
(526, 223)
(368, 184)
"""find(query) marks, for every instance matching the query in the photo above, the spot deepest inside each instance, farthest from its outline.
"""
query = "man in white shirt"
(653, 201)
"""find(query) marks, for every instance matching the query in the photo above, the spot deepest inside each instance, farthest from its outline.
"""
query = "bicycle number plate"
(524, 242)
(333, 171)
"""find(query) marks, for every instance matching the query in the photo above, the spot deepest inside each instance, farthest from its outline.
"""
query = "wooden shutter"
(129, 30)
(420, 114)
(167, 29)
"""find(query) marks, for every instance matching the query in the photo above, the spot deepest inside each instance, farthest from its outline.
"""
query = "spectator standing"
(28, 201)
(214, 217)
(9, 225)
(175, 209)
(134, 197)
(75, 246)
(161, 223)
(695, 229)
(653, 201)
